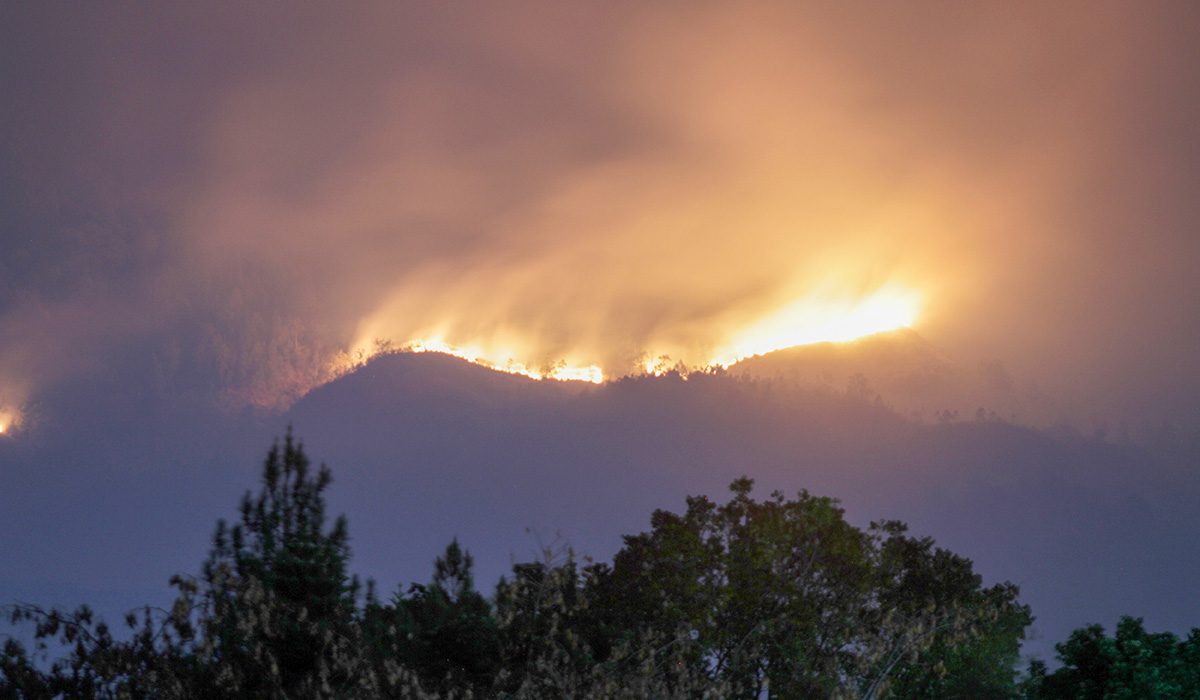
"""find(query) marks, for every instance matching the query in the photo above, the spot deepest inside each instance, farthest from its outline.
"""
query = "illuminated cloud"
(606, 184)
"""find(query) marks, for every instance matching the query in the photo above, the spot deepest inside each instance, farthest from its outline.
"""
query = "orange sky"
(601, 183)
(204, 206)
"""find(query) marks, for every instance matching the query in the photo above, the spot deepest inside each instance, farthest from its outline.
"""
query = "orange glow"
(561, 370)
(810, 320)
(813, 319)
(10, 420)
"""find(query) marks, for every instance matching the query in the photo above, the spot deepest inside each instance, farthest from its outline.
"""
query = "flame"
(808, 320)
(560, 371)
(811, 319)
(10, 420)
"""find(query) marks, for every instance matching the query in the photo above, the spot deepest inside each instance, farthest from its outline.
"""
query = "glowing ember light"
(561, 371)
(662, 364)
(591, 373)
(810, 321)
(10, 421)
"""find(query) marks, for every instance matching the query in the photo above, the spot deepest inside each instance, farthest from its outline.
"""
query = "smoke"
(605, 183)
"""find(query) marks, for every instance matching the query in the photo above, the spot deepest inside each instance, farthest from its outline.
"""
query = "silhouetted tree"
(1132, 664)
(445, 632)
(550, 645)
(780, 597)
(785, 598)
(281, 554)
(975, 658)
(272, 615)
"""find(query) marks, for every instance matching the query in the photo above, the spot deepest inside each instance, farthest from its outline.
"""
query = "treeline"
(777, 598)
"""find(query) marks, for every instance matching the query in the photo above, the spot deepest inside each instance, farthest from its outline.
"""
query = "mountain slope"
(426, 448)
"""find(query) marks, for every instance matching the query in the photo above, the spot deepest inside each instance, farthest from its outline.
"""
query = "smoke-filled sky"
(208, 210)
(237, 193)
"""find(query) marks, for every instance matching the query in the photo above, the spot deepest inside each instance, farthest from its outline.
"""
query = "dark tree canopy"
(784, 597)
(280, 597)
(778, 598)
(1132, 664)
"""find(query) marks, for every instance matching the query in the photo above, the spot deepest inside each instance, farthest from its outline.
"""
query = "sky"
(211, 211)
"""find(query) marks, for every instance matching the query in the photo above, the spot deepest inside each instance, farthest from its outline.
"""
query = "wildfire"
(561, 370)
(10, 420)
(808, 321)
(812, 319)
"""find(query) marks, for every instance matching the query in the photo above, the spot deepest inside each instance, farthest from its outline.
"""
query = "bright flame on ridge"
(806, 321)
(809, 321)
(561, 371)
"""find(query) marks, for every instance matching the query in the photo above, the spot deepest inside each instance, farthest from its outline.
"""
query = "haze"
(244, 193)
(210, 213)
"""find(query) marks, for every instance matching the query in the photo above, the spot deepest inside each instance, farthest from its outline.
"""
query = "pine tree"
(282, 604)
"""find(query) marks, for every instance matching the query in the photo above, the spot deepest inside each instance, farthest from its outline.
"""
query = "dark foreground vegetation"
(778, 598)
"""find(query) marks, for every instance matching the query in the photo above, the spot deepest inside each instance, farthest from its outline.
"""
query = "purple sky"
(202, 205)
